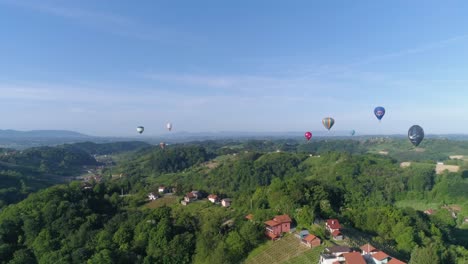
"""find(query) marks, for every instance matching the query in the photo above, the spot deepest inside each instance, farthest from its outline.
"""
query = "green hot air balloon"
(353, 132)
(328, 122)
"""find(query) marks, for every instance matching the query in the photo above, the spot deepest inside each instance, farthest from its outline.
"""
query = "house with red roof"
(368, 249)
(213, 198)
(311, 241)
(278, 225)
(249, 217)
(333, 226)
(380, 257)
(354, 258)
(429, 212)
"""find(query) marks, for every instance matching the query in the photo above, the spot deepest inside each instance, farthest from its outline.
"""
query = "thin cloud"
(109, 22)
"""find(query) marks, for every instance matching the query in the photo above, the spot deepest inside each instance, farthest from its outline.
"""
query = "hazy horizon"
(103, 68)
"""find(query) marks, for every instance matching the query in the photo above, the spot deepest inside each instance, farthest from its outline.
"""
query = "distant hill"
(41, 134)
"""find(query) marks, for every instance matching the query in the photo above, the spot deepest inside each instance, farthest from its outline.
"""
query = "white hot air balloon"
(140, 129)
(169, 126)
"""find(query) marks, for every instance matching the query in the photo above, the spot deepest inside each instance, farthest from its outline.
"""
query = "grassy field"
(165, 200)
(284, 250)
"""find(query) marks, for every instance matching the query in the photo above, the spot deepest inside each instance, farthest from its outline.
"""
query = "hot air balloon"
(415, 135)
(169, 126)
(162, 145)
(328, 122)
(308, 135)
(353, 132)
(379, 112)
(140, 129)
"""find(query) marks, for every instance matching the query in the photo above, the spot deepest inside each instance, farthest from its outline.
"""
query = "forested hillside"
(369, 193)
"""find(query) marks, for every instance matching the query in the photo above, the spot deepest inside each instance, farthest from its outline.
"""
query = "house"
(226, 202)
(249, 217)
(368, 249)
(354, 258)
(396, 261)
(152, 197)
(337, 235)
(311, 241)
(429, 212)
(380, 258)
(333, 255)
(337, 250)
(162, 189)
(190, 197)
(332, 225)
(184, 202)
(197, 194)
(280, 224)
(213, 198)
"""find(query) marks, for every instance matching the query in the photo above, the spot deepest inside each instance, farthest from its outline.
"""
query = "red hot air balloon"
(308, 135)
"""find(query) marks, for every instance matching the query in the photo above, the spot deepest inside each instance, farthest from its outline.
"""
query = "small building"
(380, 258)
(197, 194)
(152, 197)
(429, 212)
(332, 225)
(354, 258)
(280, 224)
(333, 255)
(368, 249)
(337, 235)
(162, 189)
(184, 202)
(190, 197)
(226, 202)
(396, 261)
(213, 198)
(337, 250)
(249, 217)
(311, 241)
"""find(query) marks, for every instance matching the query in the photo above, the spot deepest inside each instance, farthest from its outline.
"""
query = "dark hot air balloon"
(415, 135)
(308, 135)
(379, 112)
(328, 122)
(353, 132)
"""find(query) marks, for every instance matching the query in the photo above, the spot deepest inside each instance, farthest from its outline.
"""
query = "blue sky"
(104, 67)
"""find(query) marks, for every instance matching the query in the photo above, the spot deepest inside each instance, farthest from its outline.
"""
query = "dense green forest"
(24, 172)
(343, 179)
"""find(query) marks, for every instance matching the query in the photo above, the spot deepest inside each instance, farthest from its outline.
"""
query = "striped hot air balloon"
(328, 122)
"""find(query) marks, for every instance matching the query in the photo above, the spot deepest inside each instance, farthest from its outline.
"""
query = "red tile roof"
(354, 258)
(336, 233)
(282, 219)
(396, 261)
(380, 256)
(249, 216)
(368, 248)
(309, 238)
(333, 223)
(213, 196)
(272, 223)
(190, 195)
